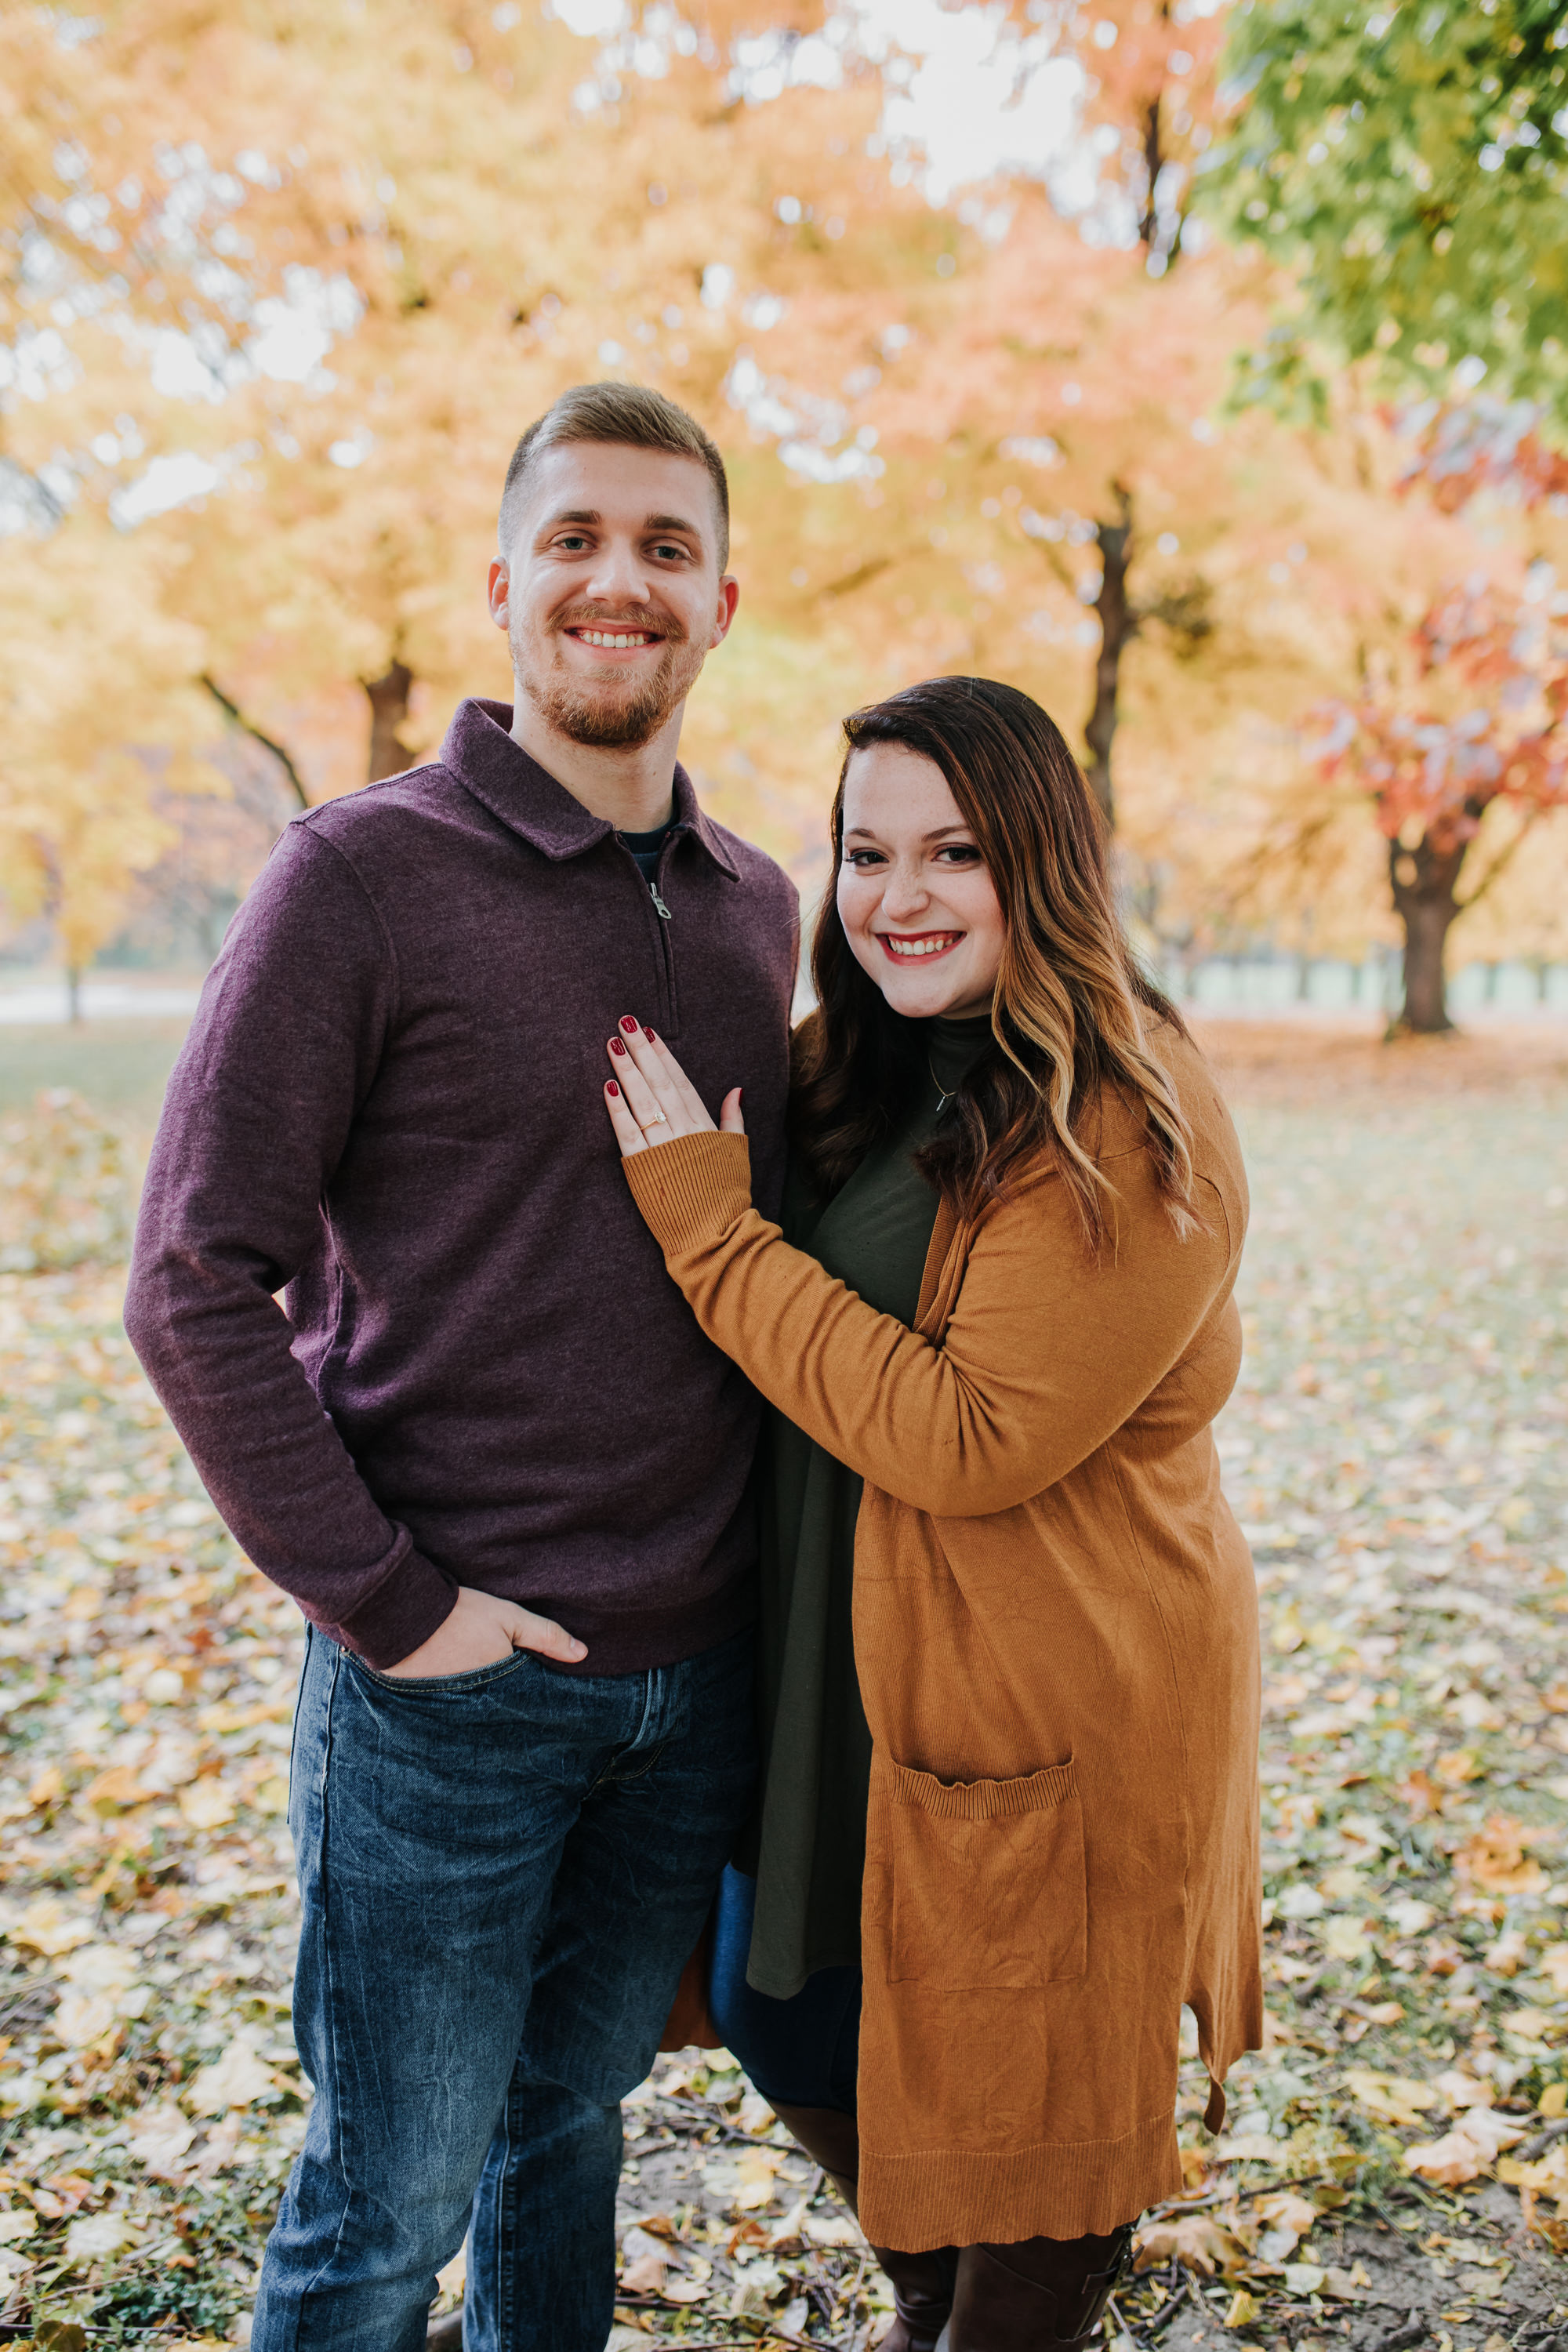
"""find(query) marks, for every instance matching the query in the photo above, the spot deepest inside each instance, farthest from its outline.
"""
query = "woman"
(1019, 1205)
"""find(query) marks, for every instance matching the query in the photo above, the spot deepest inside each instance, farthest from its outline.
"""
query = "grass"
(119, 1067)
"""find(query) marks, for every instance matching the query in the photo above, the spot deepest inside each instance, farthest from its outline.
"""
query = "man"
(486, 1448)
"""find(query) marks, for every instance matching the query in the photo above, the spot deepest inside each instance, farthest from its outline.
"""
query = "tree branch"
(1500, 863)
(860, 577)
(236, 718)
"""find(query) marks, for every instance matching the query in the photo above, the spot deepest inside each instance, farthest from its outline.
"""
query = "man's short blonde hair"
(632, 415)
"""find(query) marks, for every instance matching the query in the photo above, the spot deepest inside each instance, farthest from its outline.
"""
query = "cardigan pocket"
(989, 1883)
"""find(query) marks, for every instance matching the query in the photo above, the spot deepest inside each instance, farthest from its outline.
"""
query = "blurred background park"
(1200, 366)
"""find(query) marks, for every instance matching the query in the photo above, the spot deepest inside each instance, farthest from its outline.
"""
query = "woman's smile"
(900, 945)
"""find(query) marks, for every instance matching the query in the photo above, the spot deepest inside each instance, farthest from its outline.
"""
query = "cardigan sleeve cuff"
(690, 1191)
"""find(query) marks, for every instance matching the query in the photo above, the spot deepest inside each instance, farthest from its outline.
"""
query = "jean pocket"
(989, 1883)
(478, 1679)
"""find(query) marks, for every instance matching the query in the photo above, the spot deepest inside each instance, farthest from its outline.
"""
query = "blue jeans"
(800, 2052)
(502, 1875)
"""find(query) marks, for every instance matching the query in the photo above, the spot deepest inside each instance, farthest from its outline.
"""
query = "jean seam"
(298, 1704)
(506, 2236)
(331, 2007)
(653, 1698)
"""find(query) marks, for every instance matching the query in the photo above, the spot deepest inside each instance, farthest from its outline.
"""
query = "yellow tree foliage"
(964, 437)
(106, 671)
(124, 283)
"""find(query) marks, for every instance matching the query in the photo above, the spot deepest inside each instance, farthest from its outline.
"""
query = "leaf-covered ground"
(1396, 2164)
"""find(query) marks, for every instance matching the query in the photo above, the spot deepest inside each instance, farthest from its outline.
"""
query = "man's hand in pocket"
(483, 1629)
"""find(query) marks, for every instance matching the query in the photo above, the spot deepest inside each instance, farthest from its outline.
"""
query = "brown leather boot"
(922, 2297)
(830, 2138)
(1040, 2296)
(921, 2283)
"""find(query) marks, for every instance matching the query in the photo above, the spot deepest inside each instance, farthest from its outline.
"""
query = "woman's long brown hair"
(1072, 1009)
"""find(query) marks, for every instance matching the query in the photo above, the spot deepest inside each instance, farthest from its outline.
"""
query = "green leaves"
(1410, 166)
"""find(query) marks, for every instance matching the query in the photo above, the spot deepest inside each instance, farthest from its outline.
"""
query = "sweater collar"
(528, 801)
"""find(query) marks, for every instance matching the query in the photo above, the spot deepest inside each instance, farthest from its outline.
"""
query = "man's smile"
(614, 640)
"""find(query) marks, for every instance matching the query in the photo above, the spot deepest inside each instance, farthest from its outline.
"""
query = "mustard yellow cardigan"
(1056, 1631)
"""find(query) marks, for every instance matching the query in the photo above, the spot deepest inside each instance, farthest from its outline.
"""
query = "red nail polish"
(616, 1048)
(611, 1087)
(648, 1032)
(628, 1025)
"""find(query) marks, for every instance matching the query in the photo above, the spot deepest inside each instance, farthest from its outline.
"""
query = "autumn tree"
(965, 435)
(445, 135)
(1407, 166)
(106, 672)
(1007, 449)
(139, 255)
(1483, 719)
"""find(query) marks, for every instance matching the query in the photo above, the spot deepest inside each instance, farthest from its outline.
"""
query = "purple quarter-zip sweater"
(389, 1109)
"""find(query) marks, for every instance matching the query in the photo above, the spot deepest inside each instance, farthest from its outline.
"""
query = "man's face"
(610, 592)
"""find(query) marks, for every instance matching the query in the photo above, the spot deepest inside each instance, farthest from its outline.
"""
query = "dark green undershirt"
(807, 1847)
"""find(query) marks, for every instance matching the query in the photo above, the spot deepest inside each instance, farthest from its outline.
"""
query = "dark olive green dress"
(808, 1845)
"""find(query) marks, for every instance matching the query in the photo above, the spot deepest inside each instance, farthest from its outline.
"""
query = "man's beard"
(611, 720)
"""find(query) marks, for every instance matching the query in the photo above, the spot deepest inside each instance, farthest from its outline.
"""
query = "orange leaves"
(1450, 2161)
(1475, 447)
(1442, 1957)
(1286, 2219)
(1508, 1955)
(1482, 720)
(1196, 2241)
(46, 1925)
(1464, 2154)
(61, 2193)
(1554, 1965)
(1254, 2238)
(1420, 1795)
(1495, 1860)
(1390, 2098)
(111, 1791)
(1545, 2179)
(651, 2251)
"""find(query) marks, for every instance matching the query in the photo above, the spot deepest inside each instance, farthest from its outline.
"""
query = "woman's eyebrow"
(863, 833)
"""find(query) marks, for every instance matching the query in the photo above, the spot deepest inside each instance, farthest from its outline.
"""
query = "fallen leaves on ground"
(1405, 1506)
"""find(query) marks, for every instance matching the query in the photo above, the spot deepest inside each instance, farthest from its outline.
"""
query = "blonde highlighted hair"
(1072, 1011)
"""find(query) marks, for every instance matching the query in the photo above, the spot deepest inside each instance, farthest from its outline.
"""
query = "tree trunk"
(1154, 164)
(73, 994)
(1118, 625)
(1423, 881)
(389, 755)
(1154, 155)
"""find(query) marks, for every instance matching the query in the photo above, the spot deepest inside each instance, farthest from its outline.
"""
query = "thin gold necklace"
(944, 1094)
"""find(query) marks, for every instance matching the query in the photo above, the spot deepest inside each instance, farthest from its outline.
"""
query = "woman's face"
(917, 904)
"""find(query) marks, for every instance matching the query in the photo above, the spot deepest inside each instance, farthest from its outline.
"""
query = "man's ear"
(729, 597)
(500, 593)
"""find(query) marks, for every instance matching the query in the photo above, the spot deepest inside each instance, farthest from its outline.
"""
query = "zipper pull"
(658, 902)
